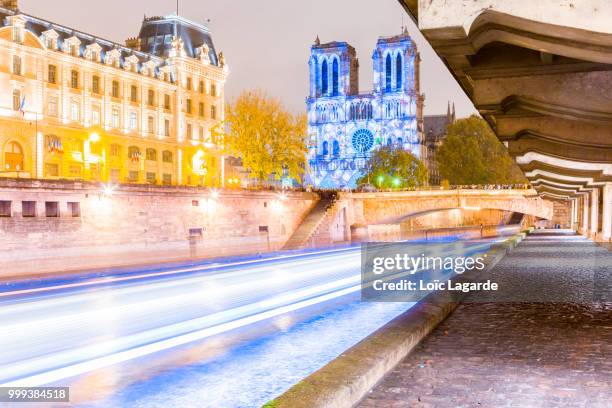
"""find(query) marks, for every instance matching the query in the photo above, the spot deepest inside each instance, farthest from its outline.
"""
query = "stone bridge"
(395, 207)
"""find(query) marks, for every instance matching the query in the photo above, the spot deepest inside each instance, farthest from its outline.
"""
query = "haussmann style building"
(76, 106)
(346, 126)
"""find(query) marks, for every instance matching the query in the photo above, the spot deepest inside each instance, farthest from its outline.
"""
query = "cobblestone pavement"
(527, 354)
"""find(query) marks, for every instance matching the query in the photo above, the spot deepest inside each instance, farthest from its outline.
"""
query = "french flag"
(22, 106)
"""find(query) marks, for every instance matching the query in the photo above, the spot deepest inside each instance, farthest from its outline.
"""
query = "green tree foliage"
(472, 154)
(392, 168)
(265, 136)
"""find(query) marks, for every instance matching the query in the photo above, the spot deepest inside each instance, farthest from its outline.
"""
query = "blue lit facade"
(345, 126)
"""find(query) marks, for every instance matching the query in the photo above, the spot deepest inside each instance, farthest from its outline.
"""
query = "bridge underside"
(542, 78)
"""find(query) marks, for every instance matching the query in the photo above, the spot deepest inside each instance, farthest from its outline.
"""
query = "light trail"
(50, 336)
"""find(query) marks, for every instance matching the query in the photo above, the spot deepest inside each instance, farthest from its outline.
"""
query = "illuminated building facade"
(345, 126)
(74, 106)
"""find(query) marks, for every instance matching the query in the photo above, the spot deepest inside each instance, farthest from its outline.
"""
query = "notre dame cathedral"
(345, 126)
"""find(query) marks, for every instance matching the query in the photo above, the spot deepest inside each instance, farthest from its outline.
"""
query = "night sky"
(267, 42)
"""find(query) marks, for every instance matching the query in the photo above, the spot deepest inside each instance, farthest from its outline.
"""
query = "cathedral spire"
(317, 41)
(454, 117)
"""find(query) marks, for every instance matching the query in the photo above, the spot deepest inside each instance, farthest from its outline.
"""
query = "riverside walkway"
(546, 341)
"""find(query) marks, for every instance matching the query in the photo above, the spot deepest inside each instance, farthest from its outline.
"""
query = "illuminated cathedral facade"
(346, 126)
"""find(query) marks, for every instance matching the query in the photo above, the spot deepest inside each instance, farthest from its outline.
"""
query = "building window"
(115, 89)
(325, 148)
(51, 170)
(52, 74)
(75, 171)
(167, 179)
(28, 209)
(189, 130)
(201, 109)
(388, 69)
(74, 79)
(133, 120)
(151, 97)
(151, 154)
(133, 175)
(16, 65)
(167, 102)
(213, 112)
(213, 90)
(201, 87)
(151, 124)
(202, 132)
(335, 77)
(167, 156)
(95, 114)
(398, 72)
(115, 150)
(52, 106)
(74, 209)
(18, 34)
(188, 106)
(5, 209)
(115, 118)
(166, 128)
(324, 78)
(16, 99)
(74, 111)
(189, 84)
(336, 148)
(95, 84)
(134, 93)
(51, 209)
(151, 178)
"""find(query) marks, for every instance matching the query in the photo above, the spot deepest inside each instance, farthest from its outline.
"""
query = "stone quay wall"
(62, 219)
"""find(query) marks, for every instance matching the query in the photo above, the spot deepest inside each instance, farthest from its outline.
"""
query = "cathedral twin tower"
(344, 126)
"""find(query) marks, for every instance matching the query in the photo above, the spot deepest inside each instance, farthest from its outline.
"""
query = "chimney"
(9, 4)
(133, 43)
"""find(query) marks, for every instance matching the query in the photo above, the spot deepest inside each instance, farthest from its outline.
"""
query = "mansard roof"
(193, 35)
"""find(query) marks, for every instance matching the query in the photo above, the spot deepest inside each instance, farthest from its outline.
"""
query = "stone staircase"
(312, 222)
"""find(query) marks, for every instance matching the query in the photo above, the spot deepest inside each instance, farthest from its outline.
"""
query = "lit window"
(167, 156)
(52, 74)
(201, 109)
(52, 106)
(95, 114)
(115, 89)
(16, 65)
(95, 84)
(213, 112)
(150, 124)
(74, 79)
(133, 120)
(115, 118)
(188, 103)
(189, 84)
(213, 90)
(151, 97)
(16, 99)
(18, 34)
(151, 154)
(201, 87)
(115, 150)
(134, 93)
(189, 130)
(167, 102)
(166, 128)
(74, 110)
